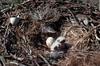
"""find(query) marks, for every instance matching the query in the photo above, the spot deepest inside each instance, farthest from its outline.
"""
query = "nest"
(25, 43)
(79, 58)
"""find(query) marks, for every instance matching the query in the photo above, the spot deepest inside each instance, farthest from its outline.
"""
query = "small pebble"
(86, 21)
(14, 20)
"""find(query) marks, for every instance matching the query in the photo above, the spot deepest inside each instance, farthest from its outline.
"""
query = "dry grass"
(27, 40)
(77, 58)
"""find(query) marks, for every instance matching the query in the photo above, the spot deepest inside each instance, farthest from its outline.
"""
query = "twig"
(65, 32)
(44, 59)
(5, 37)
(36, 63)
(2, 61)
(73, 16)
(17, 58)
(6, 9)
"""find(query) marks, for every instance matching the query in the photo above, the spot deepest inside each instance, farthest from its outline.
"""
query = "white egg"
(14, 20)
(49, 41)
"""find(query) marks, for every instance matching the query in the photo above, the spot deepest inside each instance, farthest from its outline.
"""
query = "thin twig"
(44, 59)
(6, 9)
(36, 63)
(73, 16)
(2, 61)
(5, 37)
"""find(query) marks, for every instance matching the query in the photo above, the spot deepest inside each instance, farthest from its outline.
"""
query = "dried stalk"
(5, 37)
(44, 59)
(73, 16)
(2, 61)
(6, 9)
(36, 63)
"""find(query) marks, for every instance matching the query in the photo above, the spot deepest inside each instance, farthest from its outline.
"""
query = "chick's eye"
(58, 40)
(62, 41)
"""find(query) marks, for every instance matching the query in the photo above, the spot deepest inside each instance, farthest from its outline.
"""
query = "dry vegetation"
(24, 43)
